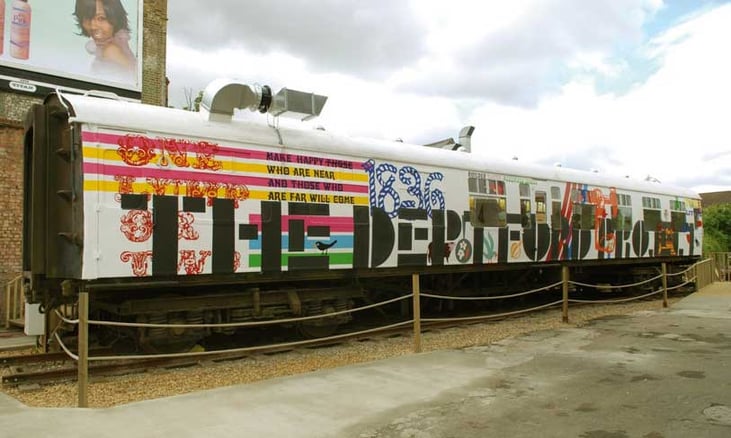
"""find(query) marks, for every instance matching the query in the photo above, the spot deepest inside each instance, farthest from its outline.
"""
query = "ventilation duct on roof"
(222, 96)
(464, 145)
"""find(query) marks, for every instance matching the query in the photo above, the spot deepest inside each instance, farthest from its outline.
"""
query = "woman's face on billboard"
(98, 27)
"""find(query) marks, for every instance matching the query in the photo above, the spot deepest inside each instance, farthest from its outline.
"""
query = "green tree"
(192, 104)
(717, 229)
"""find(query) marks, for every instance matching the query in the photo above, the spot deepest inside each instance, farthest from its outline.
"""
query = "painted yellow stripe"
(113, 186)
(229, 165)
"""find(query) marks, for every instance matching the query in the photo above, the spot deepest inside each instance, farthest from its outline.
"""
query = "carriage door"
(542, 230)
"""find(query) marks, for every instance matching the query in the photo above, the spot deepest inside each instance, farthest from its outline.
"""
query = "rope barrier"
(681, 272)
(617, 286)
(447, 297)
(497, 315)
(249, 349)
(620, 300)
(64, 319)
(248, 323)
(65, 349)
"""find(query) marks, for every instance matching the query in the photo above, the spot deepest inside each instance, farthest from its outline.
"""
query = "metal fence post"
(417, 313)
(83, 364)
(565, 280)
(664, 285)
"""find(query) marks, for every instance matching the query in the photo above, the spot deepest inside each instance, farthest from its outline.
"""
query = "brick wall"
(154, 80)
(13, 108)
(11, 198)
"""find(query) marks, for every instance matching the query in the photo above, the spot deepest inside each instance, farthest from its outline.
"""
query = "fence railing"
(722, 265)
(701, 273)
(14, 303)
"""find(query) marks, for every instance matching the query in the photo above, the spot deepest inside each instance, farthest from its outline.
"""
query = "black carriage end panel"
(271, 236)
(384, 237)
(412, 259)
(454, 225)
(421, 234)
(529, 243)
(248, 232)
(194, 205)
(478, 237)
(307, 209)
(361, 235)
(223, 236)
(502, 243)
(404, 237)
(296, 235)
(640, 239)
(130, 201)
(165, 235)
(436, 247)
(543, 241)
(308, 263)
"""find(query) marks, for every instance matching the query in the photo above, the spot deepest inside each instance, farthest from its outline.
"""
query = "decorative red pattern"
(136, 150)
(190, 264)
(137, 225)
(206, 156)
(159, 185)
(237, 260)
(139, 261)
(185, 226)
(237, 192)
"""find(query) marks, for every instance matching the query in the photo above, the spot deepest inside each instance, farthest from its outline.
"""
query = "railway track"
(30, 369)
(35, 369)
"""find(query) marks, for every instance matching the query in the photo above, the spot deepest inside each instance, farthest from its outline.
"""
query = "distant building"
(713, 198)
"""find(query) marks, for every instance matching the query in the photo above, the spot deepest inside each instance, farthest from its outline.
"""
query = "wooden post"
(417, 313)
(83, 364)
(664, 285)
(565, 280)
(8, 292)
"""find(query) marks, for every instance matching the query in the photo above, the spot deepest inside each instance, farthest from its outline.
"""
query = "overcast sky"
(626, 87)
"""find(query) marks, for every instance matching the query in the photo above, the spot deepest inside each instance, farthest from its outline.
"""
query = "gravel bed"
(113, 391)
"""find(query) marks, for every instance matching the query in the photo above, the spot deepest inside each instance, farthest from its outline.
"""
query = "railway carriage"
(175, 216)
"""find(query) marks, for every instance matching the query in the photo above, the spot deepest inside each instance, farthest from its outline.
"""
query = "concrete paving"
(651, 375)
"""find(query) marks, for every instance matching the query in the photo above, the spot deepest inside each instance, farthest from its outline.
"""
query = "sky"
(638, 88)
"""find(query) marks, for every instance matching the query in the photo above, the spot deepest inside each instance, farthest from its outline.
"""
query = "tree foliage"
(192, 103)
(717, 229)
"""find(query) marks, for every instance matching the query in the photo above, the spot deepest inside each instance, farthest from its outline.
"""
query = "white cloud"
(663, 127)
(504, 67)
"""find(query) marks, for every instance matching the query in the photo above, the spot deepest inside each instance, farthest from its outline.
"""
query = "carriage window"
(497, 187)
(624, 219)
(556, 215)
(555, 193)
(488, 212)
(624, 215)
(652, 219)
(540, 207)
(587, 216)
(648, 202)
(677, 221)
(677, 215)
(583, 216)
(576, 217)
(524, 190)
(525, 213)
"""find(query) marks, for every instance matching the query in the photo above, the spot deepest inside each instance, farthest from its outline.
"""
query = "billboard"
(72, 43)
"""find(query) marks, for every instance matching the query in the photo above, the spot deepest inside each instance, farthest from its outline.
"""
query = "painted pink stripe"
(228, 151)
(342, 224)
(254, 181)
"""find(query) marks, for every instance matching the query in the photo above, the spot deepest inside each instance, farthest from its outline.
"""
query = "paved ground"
(651, 375)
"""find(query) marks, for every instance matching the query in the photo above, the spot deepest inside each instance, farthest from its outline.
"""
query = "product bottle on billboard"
(20, 30)
(2, 26)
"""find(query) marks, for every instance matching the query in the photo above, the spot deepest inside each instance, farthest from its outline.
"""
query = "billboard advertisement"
(91, 41)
